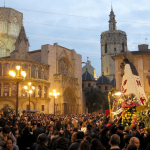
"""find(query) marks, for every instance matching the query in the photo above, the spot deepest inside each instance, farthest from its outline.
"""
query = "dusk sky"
(77, 24)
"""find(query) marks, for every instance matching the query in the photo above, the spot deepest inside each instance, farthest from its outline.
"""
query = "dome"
(102, 79)
(113, 81)
(86, 76)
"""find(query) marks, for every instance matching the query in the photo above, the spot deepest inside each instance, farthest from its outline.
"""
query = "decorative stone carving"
(63, 67)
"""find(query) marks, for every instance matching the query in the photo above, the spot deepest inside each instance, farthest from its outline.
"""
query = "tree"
(95, 99)
(7, 110)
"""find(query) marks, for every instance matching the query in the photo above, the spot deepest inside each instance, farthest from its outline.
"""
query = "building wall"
(142, 64)
(10, 25)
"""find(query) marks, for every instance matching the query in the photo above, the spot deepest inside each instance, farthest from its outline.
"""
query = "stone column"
(1, 88)
(10, 84)
(42, 91)
(2, 69)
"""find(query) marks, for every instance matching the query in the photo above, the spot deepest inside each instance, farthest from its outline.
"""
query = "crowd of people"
(69, 132)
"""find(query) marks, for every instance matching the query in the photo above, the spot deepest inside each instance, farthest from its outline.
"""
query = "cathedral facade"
(10, 25)
(51, 67)
(113, 42)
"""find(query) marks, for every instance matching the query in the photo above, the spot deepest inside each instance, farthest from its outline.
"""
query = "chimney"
(143, 47)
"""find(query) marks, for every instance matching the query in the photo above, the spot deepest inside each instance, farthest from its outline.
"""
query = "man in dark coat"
(120, 130)
(67, 131)
(43, 141)
(37, 131)
(75, 146)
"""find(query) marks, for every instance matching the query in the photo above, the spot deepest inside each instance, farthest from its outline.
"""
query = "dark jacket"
(75, 146)
(42, 147)
(36, 132)
(67, 134)
(54, 142)
(105, 141)
(122, 144)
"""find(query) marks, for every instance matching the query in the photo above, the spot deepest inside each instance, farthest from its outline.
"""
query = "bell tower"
(113, 42)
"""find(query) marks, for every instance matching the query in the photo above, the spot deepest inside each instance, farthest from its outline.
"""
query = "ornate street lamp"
(29, 89)
(18, 76)
(54, 94)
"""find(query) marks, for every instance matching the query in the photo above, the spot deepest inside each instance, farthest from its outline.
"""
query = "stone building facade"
(51, 67)
(141, 60)
(113, 42)
(10, 25)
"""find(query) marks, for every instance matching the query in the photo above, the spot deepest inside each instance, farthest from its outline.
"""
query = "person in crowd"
(26, 139)
(74, 137)
(104, 137)
(135, 141)
(49, 131)
(62, 144)
(54, 140)
(37, 131)
(75, 146)
(5, 135)
(96, 145)
(120, 130)
(84, 145)
(89, 139)
(67, 131)
(114, 142)
(132, 147)
(9, 145)
(126, 141)
(43, 141)
(89, 132)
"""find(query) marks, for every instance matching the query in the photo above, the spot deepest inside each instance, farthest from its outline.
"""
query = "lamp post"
(54, 94)
(18, 76)
(29, 89)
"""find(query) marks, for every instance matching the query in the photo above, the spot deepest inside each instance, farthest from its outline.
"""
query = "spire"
(112, 21)
(22, 36)
(111, 6)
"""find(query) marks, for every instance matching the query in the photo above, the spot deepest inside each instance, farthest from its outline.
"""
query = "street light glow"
(118, 93)
(18, 67)
(29, 83)
(25, 87)
(30, 91)
(33, 87)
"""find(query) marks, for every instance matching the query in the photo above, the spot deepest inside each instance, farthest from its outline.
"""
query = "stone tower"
(113, 42)
(10, 25)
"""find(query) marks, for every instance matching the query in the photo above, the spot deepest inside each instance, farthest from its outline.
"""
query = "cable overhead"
(81, 16)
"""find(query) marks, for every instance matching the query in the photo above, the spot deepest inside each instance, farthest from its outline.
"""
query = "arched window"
(122, 47)
(39, 91)
(23, 92)
(45, 92)
(3, 24)
(63, 67)
(46, 73)
(39, 72)
(2, 49)
(105, 47)
(33, 92)
(25, 68)
(6, 69)
(0, 69)
(6, 89)
(33, 71)
(13, 66)
(15, 27)
(13, 90)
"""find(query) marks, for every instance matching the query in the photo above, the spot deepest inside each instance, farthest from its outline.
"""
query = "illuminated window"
(3, 24)
(6, 69)
(15, 27)
(39, 91)
(13, 90)
(39, 72)
(6, 89)
(45, 91)
(2, 49)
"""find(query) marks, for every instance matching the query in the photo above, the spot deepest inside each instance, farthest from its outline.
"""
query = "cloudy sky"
(77, 24)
